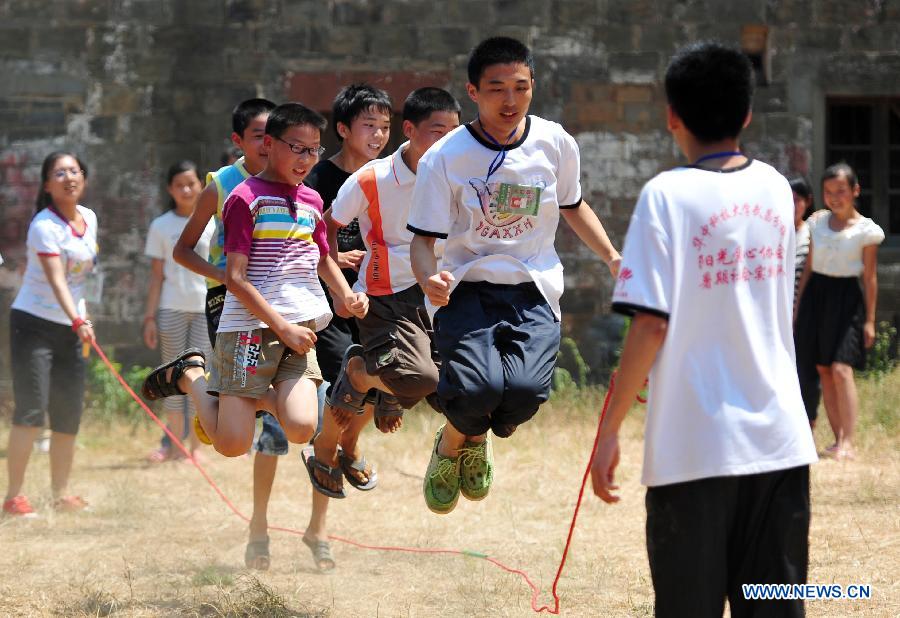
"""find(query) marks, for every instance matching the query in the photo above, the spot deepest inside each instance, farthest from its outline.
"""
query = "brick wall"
(133, 85)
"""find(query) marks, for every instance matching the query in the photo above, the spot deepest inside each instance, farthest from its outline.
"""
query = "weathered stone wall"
(134, 85)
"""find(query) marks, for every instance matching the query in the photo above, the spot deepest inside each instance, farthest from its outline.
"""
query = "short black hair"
(180, 167)
(353, 100)
(498, 50)
(710, 87)
(841, 170)
(423, 102)
(245, 111)
(289, 115)
(229, 154)
(801, 186)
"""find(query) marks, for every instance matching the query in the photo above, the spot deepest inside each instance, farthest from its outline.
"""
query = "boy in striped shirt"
(397, 356)
(276, 248)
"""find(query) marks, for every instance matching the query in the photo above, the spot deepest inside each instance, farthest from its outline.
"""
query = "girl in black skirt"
(836, 315)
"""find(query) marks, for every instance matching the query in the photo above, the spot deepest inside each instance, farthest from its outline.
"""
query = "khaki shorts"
(246, 363)
(396, 336)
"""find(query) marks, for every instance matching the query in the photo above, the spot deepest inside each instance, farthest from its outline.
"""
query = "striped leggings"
(178, 330)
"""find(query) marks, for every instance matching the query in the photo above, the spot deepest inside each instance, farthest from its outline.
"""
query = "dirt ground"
(158, 541)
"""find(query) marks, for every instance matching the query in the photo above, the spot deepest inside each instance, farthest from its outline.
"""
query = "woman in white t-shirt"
(48, 326)
(174, 316)
(836, 316)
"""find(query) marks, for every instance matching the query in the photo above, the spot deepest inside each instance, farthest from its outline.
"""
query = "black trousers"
(707, 537)
(498, 345)
(48, 373)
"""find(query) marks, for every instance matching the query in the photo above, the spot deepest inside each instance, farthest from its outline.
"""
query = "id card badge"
(93, 286)
(518, 200)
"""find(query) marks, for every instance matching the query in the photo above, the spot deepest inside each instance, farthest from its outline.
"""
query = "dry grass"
(159, 542)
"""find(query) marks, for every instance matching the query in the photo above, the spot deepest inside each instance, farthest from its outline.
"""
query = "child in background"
(495, 190)
(806, 371)
(707, 273)
(174, 315)
(836, 318)
(397, 356)
(248, 125)
(361, 120)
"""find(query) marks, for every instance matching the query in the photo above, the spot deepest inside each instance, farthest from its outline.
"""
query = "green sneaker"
(441, 485)
(476, 469)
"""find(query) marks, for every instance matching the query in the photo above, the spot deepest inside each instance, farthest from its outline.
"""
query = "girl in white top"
(48, 327)
(835, 318)
(174, 316)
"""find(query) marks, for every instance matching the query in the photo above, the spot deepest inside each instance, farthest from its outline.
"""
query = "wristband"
(77, 323)
(147, 318)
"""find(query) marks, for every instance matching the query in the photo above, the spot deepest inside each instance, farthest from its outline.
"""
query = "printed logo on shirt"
(508, 208)
(246, 356)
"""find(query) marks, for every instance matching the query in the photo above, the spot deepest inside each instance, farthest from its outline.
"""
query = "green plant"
(571, 370)
(107, 399)
(880, 360)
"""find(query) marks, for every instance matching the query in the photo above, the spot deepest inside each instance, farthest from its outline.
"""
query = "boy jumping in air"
(397, 356)
(275, 244)
(495, 191)
(708, 274)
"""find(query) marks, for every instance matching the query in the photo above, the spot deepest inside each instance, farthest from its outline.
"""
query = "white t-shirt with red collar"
(502, 228)
(380, 194)
(714, 252)
(50, 234)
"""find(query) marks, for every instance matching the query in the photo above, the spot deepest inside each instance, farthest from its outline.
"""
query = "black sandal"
(351, 468)
(343, 396)
(335, 474)
(156, 386)
(387, 406)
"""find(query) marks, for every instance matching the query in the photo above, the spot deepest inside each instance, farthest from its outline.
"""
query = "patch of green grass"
(213, 575)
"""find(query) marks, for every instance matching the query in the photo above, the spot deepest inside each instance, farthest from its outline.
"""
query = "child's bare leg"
(848, 405)
(829, 398)
(325, 448)
(297, 408)
(452, 440)
(264, 467)
(235, 424)
(193, 382)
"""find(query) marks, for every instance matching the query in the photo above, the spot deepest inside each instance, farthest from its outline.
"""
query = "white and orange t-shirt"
(380, 195)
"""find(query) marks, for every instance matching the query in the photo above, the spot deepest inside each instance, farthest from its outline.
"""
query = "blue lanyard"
(717, 155)
(500, 157)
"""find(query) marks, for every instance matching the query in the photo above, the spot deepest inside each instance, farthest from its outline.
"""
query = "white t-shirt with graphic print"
(49, 234)
(714, 251)
(499, 230)
(840, 254)
(379, 194)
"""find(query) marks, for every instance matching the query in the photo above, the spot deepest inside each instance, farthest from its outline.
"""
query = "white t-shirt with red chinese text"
(379, 194)
(50, 234)
(502, 228)
(714, 252)
(281, 230)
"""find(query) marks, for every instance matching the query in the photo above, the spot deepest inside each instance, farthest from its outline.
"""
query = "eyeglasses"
(62, 174)
(316, 152)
